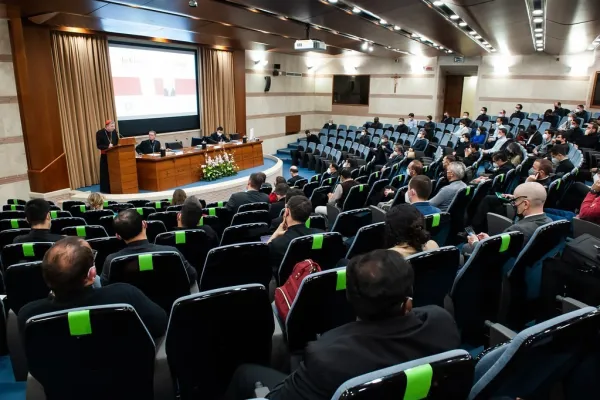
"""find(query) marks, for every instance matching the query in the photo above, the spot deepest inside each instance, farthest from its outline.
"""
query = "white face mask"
(482, 112)
(463, 140)
(465, 116)
(329, 170)
(220, 133)
(596, 178)
(570, 118)
(579, 110)
(406, 198)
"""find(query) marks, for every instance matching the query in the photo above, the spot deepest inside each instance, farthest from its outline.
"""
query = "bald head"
(533, 197)
(66, 266)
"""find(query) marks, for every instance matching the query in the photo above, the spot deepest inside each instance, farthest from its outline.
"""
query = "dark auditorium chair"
(221, 212)
(58, 224)
(398, 181)
(300, 183)
(348, 223)
(521, 288)
(12, 215)
(316, 222)
(104, 247)
(175, 208)
(319, 306)
(92, 217)
(78, 210)
(457, 210)
(266, 189)
(153, 229)
(7, 236)
(213, 221)
(13, 207)
(482, 190)
(309, 188)
(18, 223)
(158, 205)
(59, 214)
(16, 202)
(54, 208)
(434, 275)
(367, 239)
(250, 217)
(174, 145)
(438, 226)
(124, 362)
(23, 252)
(376, 192)
(194, 244)
(138, 203)
(24, 284)
(244, 233)
(444, 376)
(145, 211)
(532, 362)
(169, 218)
(107, 224)
(118, 207)
(216, 204)
(357, 197)
(211, 333)
(67, 204)
(85, 231)
(160, 275)
(478, 284)
(326, 249)
(236, 264)
(253, 207)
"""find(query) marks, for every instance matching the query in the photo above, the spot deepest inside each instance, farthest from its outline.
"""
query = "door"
(453, 95)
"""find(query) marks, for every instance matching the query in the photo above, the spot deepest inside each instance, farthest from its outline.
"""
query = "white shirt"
(411, 124)
(497, 145)
(462, 131)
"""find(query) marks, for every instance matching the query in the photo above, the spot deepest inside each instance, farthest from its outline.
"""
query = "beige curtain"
(85, 91)
(218, 93)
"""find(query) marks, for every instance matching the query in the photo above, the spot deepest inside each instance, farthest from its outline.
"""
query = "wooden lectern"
(122, 169)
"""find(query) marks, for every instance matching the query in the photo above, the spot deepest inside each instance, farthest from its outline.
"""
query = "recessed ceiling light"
(462, 23)
(454, 16)
(473, 33)
(449, 51)
(382, 21)
(539, 30)
(488, 45)
(371, 48)
(591, 48)
(438, 3)
(415, 35)
(493, 50)
(477, 37)
(540, 49)
(396, 28)
(356, 10)
(484, 42)
(596, 40)
(539, 41)
(539, 35)
(388, 47)
(537, 12)
(538, 20)
(334, 32)
(365, 46)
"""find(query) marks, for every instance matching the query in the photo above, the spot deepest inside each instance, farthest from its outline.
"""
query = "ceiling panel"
(571, 26)
(33, 7)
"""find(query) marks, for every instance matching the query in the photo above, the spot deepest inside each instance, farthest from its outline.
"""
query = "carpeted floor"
(9, 389)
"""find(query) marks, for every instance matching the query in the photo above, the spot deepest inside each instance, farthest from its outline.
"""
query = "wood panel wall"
(239, 82)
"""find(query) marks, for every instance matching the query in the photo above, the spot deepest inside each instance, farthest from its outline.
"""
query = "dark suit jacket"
(563, 167)
(528, 225)
(581, 114)
(588, 141)
(214, 138)
(471, 159)
(419, 145)
(102, 139)
(241, 198)
(483, 117)
(275, 208)
(292, 181)
(147, 147)
(502, 170)
(391, 161)
(535, 139)
(402, 129)
(313, 138)
(364, 140)
(365, 346)
(374, 125)
(279, 246)
(518, 114)
(329, 127)
(573, 135)
(447, 121)
(38, 235)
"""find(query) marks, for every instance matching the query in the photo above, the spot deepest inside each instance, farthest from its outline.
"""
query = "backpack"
(286, 294)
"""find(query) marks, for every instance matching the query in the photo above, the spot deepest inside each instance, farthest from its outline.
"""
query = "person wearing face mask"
(251, 195)
(464, 129)
(462, 145)
(540, 172)
(518, 113)
(467, 119)
(332, 171)
(500, 142)
(502, 117)
(421, 143)
(542, 148)
(446, 119)
(419, 189)
(590, 208)
(534, 139)
(429, 127)
(560, 161)
(590, 139)
(548, 116)
(364, 139)
(479, 137)
(483, 117)
(382, 151)
(329, 125)
(375, 124)
(394, 158)
(580, 113)
(402, 128)
(471, 154)
(336, 199)
(492, 138)
(414, 169)
(558, 110)
(411, 123)
(574, 134)
(218, 136)
(514, 154)
(454, 173)
(501, 167)
(567, 124)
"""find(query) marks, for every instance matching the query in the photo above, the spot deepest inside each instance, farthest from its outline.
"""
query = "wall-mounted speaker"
(267, 83)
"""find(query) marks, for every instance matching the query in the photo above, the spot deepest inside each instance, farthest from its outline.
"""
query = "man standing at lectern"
(105, 139)
(148, 146)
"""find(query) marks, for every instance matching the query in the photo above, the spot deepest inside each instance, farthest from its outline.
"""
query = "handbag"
(285, 294)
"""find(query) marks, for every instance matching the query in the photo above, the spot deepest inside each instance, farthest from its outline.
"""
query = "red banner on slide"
(127, 86)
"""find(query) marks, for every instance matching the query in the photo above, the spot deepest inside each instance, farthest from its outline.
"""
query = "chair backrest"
(216, 204)
(160, 275)
(228, 327)
(174, 145)
(309, 188)
(194, 244)
(23, 252)
(145, 212)
(326, 249)
(236, 264)
(7, 236)
(434, 274)
(368, 238)
(580, 227)
(442, 376)
(253, 206)
(477, 286)
(348, 223)
(175, 208)
(78, 210)
(538, 357)
(250, 217)
(555, 192)
(118, 207)
(104, 247)
(266, 188)
(85, 231)
(58, 224)
(24, 283)
(59, 214)
(153, 229)
(169, 218)
(356, 198)
(457, 209)
(319, 306)
(55, 342)
(92, 217)
(316, 222)
(398, 181)
(376, 191)
(13, 207)
(19, 223)
(138, 203)
(12, 214)
(483, 189)
(244, 233)
(438, 226)
(16, 201)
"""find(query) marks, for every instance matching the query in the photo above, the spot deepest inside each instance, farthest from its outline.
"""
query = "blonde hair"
(179, 197)
(95, 201)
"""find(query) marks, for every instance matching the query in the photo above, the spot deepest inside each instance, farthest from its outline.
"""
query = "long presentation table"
(157, 173)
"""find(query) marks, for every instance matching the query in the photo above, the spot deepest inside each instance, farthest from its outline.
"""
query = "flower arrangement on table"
(219, 167)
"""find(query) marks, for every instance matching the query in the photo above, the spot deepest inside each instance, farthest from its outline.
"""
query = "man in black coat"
(218, 136)
(329, 125)
(446, 119)
(295, 176)
(251, 195)
(518, 113)
(105, 139)
(148, 146)
(388, 331)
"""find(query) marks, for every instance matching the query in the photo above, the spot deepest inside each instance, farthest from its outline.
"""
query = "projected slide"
(153, 82)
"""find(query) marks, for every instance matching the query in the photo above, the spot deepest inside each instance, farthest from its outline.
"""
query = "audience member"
(364, 139)
(297, 155)
(189, 218)
(414, 168)
(383, 151)
(590, 139)
(329, 125)
(567, 124)
(69, 271)
(560, 138)
(534, 137)
(560, 161)
(272, 196)
(332, 171)
(543, 148)
(446, 119)
(429, 126)
(251, 195)
(558, 110)
(297, 210)
(501, 167)
(411, 123)
(462, 145)
(479, 137)
(419, 189)
(375, 124)
(471, 155)
(466, 117)
(95, 201)
(402, 128)
(280, 191)
(575, 133)
(37, 213)
(580, 113)
(454, 173)
(463, 128)
(337, 198)
(540, 172)
(179, 197)
(131, 228)
(502, 117)
(290, 193)
(405, 231)
(388, 331)
(421, 143)
(483, 117)
(548, 116)
(500, 142)
(518, 112)
(590, 208)
(295, 176)
(395, 157)
(514, 154)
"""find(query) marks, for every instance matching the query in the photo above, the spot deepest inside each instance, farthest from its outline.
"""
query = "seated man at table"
(218, 136)
(251, 195)
(37, 213)
(131, 228)
(148, 146)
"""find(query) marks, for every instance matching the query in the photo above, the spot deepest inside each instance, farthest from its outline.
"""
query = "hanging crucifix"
(395, 82)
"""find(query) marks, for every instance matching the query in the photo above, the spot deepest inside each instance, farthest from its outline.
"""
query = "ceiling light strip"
(536, 11)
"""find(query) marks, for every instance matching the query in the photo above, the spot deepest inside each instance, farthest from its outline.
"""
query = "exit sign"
(459, 60)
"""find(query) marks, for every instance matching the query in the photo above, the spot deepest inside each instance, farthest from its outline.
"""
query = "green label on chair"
(14, 224)
(376, 174)
(558, 181)
(307, 223)
(505, 242)
(80, 230)
(140, 211)
(219, 204)
(105, 204)
(145, 261)
(436, 220)
(201, 222)
(157, 204)
(79, 323)
(180, 237)
(418, 382)
(341, 280)
(28, 249)
(53, 214)
(82, 208)
(314, 178)
(501, 178)
(361, 188)
(15, 201)
(329, 180)
(212, 211)
(468, 192)
(317, 243)
(13, 207)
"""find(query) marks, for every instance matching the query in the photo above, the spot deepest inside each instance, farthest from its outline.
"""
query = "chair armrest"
(499, 333)
(569, 304)
(163, 382)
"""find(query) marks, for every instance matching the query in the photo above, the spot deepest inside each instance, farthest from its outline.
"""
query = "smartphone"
(470, 231)
(500, 196)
